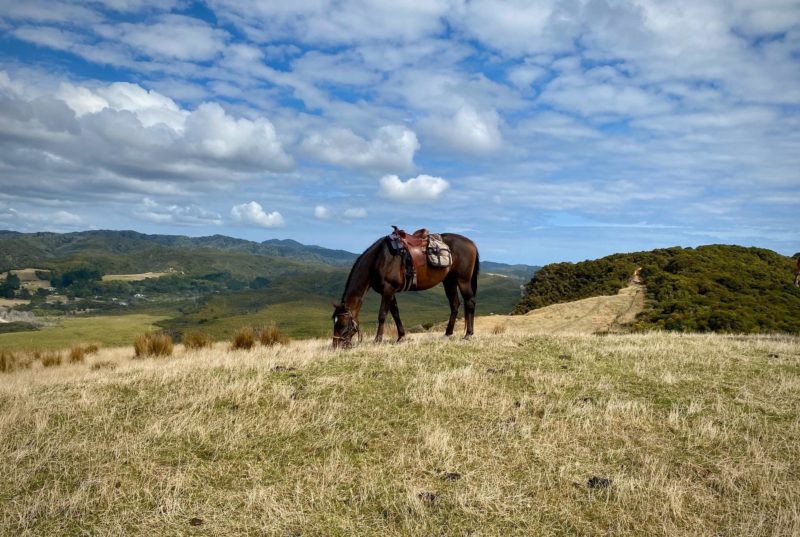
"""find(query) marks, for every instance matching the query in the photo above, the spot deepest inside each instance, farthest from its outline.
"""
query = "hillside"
(716, 288)
(646, 434)
(216, 284)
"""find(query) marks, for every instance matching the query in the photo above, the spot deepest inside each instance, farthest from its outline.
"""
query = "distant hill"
(716, 288)
(219, 283)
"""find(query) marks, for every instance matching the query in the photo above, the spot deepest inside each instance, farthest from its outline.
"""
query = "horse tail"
(475, 272)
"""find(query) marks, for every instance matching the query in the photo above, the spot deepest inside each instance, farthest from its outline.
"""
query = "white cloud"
(321, 212)
(467, 131)
(253, 214)
(153, 211)
(170, 37)
(392, 148)
(355, 212)
(422, 188)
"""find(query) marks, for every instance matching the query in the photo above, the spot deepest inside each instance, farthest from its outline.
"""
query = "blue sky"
(545, 131)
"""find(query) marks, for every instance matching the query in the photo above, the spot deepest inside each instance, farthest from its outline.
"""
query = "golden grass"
(243, 339)
(152, 344)
(77, 354)
(51, 358)
(197, 340)
(647, 434)
(271, 335)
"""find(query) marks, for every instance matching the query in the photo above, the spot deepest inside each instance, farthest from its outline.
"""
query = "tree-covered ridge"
(716, 288)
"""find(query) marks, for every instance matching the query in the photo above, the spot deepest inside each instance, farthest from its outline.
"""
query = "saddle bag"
(437, 252)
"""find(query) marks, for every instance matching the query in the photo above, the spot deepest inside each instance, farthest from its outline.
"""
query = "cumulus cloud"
(124, 136)
(355, 212)
(392, 148)
(253, 214)
(467, 131)
(420, 189)
(321, 212)
(155, 212)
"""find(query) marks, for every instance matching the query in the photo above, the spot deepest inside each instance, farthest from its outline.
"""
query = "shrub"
(244, 338)
(197, 340)
(152, 344)
(51, 358)
(77, 354)
(271, 335)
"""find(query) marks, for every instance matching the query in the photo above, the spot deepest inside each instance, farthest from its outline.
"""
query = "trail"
(586, 316)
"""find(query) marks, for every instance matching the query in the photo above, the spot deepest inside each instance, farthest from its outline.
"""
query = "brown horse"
(383, 271)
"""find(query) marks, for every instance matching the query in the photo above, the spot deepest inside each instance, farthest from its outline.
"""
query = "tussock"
(244, 339)
(51, 358)
(152, 344)
(271, 335)
(197, 340)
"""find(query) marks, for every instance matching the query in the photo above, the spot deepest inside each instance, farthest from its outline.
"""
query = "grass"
(502, 435)
(197, 340)
(107, 330)
(271, 335)
(243, 339)
(152, 344)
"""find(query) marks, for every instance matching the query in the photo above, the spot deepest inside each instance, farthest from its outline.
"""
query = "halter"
(350, 330)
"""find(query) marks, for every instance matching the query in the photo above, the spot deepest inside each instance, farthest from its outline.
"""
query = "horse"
(797, 273)
(384, 271)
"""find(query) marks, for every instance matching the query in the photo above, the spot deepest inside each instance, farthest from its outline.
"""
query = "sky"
(545, 131)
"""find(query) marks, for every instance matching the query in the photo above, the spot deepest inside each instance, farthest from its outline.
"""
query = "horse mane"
(357, 265)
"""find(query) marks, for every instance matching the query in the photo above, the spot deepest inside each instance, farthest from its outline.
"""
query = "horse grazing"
(385, 272)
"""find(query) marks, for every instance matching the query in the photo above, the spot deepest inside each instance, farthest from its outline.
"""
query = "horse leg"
(385, 301)
(401, 332)
(451, 290)
(465, 286)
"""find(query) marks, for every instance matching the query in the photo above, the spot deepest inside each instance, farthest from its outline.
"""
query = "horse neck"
(359, 278)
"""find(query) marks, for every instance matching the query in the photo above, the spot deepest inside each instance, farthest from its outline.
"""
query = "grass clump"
(51, 358)
(271, 335)
(499, 329)
(244, 339)
(11, 362)
(197, 340)
(152, 344)
(77, 354)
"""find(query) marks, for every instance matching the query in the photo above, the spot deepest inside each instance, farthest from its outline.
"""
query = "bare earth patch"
(508, 434)
(133, 277)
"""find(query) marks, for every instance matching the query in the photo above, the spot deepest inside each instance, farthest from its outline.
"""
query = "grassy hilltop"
(509, 434)
(716, 288)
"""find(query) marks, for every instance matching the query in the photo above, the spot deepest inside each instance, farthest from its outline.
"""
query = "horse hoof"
(401, 339)
(468, 337)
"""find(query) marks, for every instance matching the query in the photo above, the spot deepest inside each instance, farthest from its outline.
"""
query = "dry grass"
(698, 435)
(271, 335)
(153, 344)
(51, 358)
(499, 329)
(197, 340)
(243, 339)
(10, 361)
(77, 354)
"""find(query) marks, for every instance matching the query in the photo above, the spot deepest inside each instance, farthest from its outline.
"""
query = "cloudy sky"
(545, 130)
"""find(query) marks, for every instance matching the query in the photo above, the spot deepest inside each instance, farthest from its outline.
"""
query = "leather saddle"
(412, 247)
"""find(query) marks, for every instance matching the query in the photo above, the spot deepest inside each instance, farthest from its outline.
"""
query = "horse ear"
(335, 305)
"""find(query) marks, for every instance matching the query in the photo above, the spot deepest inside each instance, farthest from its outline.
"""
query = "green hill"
(716, 288)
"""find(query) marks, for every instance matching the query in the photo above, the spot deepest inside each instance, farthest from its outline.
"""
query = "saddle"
(417, 252)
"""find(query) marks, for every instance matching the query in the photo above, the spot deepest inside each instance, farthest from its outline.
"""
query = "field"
(507, 434)
(108, 330)
(132, 277)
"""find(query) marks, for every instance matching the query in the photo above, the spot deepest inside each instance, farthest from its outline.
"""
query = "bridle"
(350, 330)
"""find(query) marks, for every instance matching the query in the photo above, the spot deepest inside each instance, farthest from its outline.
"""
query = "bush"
(244, 338)
(51, 358)
(152, 344)
(197, 340)
(77, 354)
(271, 335)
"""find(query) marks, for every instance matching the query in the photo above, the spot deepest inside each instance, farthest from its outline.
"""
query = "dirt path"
(587, 316)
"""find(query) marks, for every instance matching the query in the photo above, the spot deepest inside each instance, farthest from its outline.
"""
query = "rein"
(350, 330)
